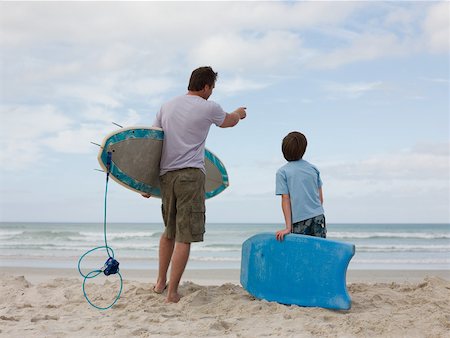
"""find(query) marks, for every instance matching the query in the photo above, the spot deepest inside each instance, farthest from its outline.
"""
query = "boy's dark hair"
(294, 146)
(201, 77)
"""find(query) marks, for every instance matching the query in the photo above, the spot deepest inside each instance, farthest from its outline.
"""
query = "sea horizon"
(379, 246)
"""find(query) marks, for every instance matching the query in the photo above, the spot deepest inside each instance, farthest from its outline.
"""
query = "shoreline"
(222, 276)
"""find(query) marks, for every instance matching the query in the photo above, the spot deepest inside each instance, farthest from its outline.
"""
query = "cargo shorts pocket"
(197, 220)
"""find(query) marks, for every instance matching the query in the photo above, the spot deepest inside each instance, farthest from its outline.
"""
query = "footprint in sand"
(220, 325)
(46, 317)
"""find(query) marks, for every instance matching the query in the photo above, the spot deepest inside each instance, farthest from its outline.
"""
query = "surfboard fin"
(117, 124)
(96, 144)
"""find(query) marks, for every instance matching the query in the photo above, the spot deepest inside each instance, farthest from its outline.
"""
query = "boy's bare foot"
(173, 298)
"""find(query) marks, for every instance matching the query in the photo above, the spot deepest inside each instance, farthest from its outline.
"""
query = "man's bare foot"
(159, 287)
(173, 298)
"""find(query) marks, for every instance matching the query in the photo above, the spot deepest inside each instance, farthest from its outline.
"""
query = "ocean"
(59, 245)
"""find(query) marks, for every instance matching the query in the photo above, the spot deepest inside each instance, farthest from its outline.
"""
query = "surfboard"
(135, 155)
(300, 270)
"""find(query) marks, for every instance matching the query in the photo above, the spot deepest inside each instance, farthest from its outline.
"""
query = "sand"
(50, 303)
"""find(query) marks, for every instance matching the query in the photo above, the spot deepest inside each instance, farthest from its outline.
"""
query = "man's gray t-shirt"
(185, 121)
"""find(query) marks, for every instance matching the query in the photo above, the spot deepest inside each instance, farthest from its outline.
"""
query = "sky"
(366, 82)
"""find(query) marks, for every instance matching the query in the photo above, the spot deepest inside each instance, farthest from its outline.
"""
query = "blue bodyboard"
(300, 270)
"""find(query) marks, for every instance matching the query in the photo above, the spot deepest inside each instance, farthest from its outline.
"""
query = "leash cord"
(95, 273)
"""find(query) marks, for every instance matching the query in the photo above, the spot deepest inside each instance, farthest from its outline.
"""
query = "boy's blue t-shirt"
(301, 181)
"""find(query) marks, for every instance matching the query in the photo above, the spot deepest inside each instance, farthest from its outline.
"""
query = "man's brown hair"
(294, 146)
(201, 77)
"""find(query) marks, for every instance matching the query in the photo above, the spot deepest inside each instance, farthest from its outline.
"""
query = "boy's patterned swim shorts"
(314, 226)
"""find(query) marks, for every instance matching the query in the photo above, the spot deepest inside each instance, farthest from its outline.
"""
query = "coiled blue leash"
(111, 265)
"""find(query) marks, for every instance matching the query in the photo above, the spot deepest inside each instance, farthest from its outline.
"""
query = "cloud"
(364, 47)
(72, 141)
(239, 84)
(77, 138)
(425, 166)
(100, 94)
(148, 86)
(238, 53)
(397, 30)
(22, 130)
(101, 62)
(159, 36)
(109, 53)
(352, 90)
(405, 186)
(103, 22)
(29, 133)
(420, 169)
(410, 185)
(252, 180)
(443, 81)
(436, 27)
(402, 18)
(24, 121)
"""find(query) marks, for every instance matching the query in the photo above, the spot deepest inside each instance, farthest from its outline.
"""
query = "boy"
(299, 184)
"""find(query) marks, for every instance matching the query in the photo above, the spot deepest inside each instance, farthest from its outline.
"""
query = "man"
(186, 121)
